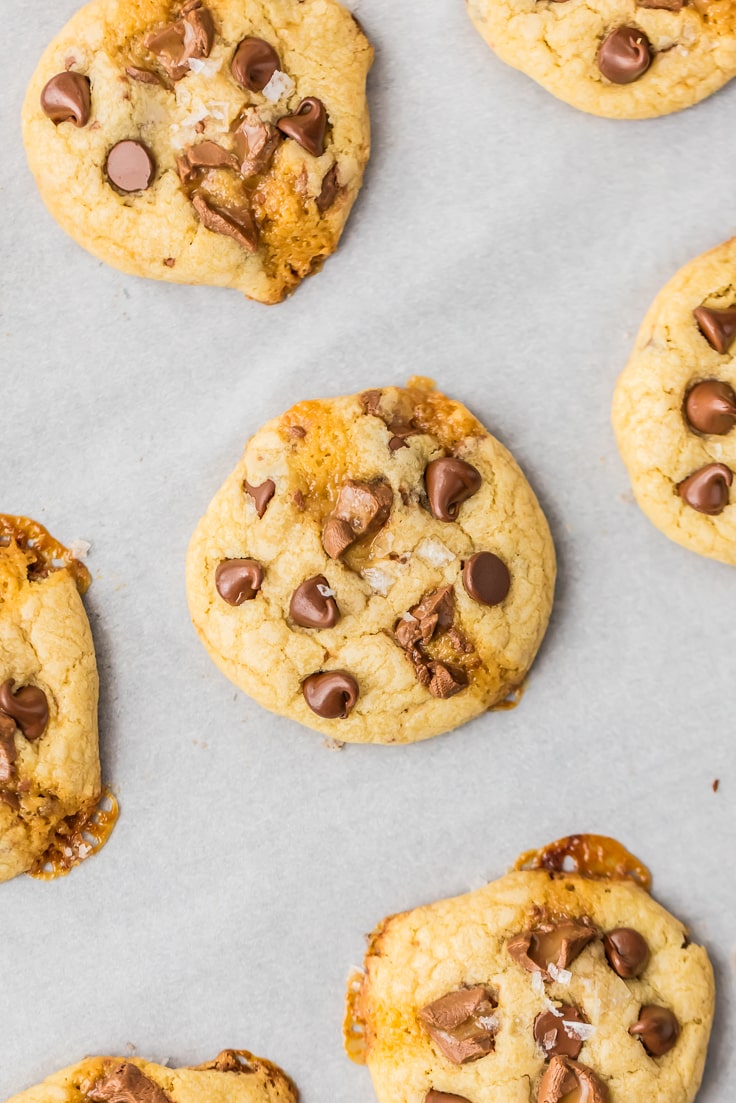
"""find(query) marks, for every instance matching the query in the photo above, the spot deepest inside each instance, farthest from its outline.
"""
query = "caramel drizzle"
(511, 701)
(596, 856)
(50, 555)
(353, 1027)
(78, 838)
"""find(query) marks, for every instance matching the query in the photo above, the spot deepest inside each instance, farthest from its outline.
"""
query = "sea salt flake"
(280, 85)
(582, 1031)
(379, 581)
(410, 619)
(569, 865)
(551, 1007)
(562, 976)
(538, 983)
(488, 1022)
(79, 549)
(549, 1039)
(207, 67)
(435, 553)
(325, 590)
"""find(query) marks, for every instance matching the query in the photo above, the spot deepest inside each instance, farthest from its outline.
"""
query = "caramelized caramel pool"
(353, 1029)
(595, 856)
(78, 837)
(49, 554)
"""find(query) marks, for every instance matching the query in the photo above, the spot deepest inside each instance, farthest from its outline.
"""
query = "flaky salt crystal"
(435, 553)
(325, 590)
(569, 865)
(562, 976)
(280, 85)
(551, 1007)
(582, 1031)
(208, 67)
(379, 581)
(538, 983)
(79, 549)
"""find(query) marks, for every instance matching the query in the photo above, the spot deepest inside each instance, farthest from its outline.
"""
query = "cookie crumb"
(716, 784)
(332, 744)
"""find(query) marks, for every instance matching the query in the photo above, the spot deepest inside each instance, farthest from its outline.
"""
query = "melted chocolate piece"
(307, 126)
(190, 36)
(126, 1084)
(449, 483)
(237, 223)
(627, 952)
(717, 326)
(445, 680)
(462, 1024)
(27, 706)
(665, 5)
(130, 166)
(255, 144)
(203, 156)
(555, 942)
(444, 1097)
(551, 1035)
(328, 195)
(486, 578)
(624, 55)
(8, 752)
(238, 580)
(312, 604)
(361, 509)
(571, 1081)
(254, 63)
(332, 694)
(707, 490)
(261, 495)
(657, 1029)
(710, 407)
(145, 76)
(67, 98)
(434, 613)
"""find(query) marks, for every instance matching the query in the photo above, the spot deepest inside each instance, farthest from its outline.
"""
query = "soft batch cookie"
(674, 410)
(544, 985)
(625, 59)
(49, 763)
(204, 141)
(235, 1076)
(376, 567)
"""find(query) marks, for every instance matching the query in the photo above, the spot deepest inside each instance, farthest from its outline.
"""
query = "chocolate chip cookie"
(674, 410)
(558, 982)
(49, 764)
(376, 567)
(625, 59)
(204, 141)
(235, 1076)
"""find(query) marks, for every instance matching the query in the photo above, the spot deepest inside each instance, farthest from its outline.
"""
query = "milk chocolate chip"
(571, 1081)
(126, 1084)
(462, 1024)
(717, 326)
(665, 5)
(313, 604)
(255, 144)
(361, 509)
(624, 55)
(27, 706)
(203, 156)
(67, 98)
(238, 580)
(261, 495)
(328, 194)
(307, 126)
(434, 613)
(710, 407)
(486, 578)
(555, 942)
(449, 483)
(707, 489)
(130, 166)
(627, 952)
(235, 222)
(554, 1032)
(657, 1029)
(444, 1097)
(8, 753)
(254, 63)
(191, 36)
(332, 694)
(445, 680)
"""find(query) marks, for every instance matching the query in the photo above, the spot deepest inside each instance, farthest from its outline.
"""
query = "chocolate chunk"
(624, 55)
(444, 1097)
(717, 326)
(67, 98)
(261, 495)
(706, 490)
(361, 509)
(130, 166)
(665, 5)
(552, 1035)
(371, 402)
(657, 1029)
(307, 126)
(254, 63)
(203, 156)
(552, 942)
(255, 144)
(462, 1024)
(486, 578)
(27, 706)
(238, 580)
(126, 1084)
(313, 604)
(235, 222)
(332, 694)
(329, 192)
(191, 36)
(8, 752)
(434, 613)
(571, 1081)
(445, 680)
(449, 483)
(145, 76)
(710, 407)
(627, 952)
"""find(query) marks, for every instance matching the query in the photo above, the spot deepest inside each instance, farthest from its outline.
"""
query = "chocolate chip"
(552, 942)
(444, 1097)
(332, 694)
(665, 5)
(307, 126)
(235, 222)
(130, 166)
(255, 144)
(445, 680)
(554, 1037)
(462, 1024)
(313, 604)
(624, 55)
(145, 76)
(706, 490)
(261, 495)
(329, 192)
(361, 509)
(571, 1081)
(8, 752)
(67, 98)
(717, 326)
(449, 483)
(238, 580)
(486, 578)
(627, 952)
(710, 407)
(126, 1084)
(434, 613)
(203, 156)
(189, 37)
(371, 402)
(657, 1029)
(27, 706)
(254, 63)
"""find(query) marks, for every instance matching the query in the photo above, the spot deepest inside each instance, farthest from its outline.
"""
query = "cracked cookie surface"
(674, 408)
(49, 763)
(623, 59)
(324, 582)
(428, 972)
(219, 142)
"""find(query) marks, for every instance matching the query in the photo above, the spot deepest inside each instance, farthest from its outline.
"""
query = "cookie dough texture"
(419, 956)
(556, 43)
(157, 232)
(235, 1076)
(657, 445)
(45, 641)
(309, 453)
